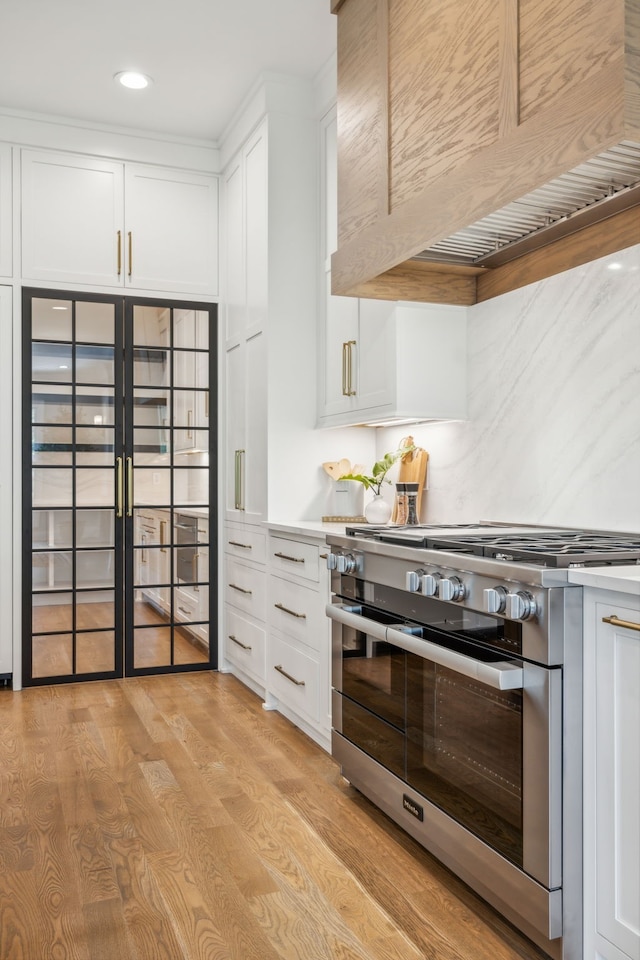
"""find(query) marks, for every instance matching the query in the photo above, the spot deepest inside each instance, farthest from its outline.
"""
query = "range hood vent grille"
(598, 180)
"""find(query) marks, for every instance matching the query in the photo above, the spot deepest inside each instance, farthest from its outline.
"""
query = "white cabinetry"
(386, 361)
(245, 232)
(612, 776)
(6, 259)
(100, 222)
(298, 643)
(6, 506)
(245, 603)
(381, 361)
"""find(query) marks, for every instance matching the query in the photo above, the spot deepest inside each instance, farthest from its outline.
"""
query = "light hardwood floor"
(171, 818)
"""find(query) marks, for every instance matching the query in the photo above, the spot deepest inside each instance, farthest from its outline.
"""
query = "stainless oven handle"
(350, 616)
(501, 676)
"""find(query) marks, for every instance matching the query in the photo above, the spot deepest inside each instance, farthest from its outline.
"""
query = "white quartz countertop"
(621, 579)
(307, 528)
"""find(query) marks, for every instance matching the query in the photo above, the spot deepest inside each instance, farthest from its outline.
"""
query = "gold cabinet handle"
(163, 527)
(350, 391)
(323, 556)
(244, 646)
(129, 486)
(239, 463)
(143, 552)
(119, 252)
(119, 488)
(298, 683)
(344, 370)
(130, 240)
(285, 556)
(616, 622)
(189, 424)
(292, 613)
(236, 543)
(240, 589)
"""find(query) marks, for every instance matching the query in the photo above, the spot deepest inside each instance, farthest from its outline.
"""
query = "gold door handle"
(350, 391)
(119, 252)
(119, 488)
(292, 613)
(129, 486)
(130, 240)
(616, 622)
(298, 683)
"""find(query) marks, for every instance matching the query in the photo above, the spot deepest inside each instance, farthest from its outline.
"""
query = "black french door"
(119, 468)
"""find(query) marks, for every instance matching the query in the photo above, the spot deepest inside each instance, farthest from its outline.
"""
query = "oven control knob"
(413, 580)
(451, 588)
(430, 584)
(520, 605)
(332, 561)
(495, 599)
(346, 563)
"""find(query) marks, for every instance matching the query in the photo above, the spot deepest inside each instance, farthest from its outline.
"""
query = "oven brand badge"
(414, 808)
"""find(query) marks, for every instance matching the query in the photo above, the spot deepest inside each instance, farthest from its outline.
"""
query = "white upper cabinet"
(383, 361)
(72, 219)
(99, 222)
(245, 233)
(171, 223)
(5, 211)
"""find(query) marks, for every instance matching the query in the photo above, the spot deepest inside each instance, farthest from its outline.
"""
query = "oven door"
(477, 735)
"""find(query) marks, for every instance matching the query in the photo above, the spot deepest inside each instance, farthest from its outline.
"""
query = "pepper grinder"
(411, 490)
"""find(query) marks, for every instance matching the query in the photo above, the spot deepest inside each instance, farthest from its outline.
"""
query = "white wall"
(553, 434)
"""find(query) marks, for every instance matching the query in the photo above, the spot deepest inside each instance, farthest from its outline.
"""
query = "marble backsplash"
(553, 434)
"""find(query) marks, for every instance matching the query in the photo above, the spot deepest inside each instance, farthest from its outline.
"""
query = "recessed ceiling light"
(133, 80)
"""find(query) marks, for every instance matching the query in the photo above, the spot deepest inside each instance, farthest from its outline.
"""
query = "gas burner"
(541, 546)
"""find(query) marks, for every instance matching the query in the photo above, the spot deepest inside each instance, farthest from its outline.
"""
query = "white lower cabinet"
(612, 775)
(298, 653)
(244, 578)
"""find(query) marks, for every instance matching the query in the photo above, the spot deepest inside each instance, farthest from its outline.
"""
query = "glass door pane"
(73, 432)
(117, 438)
(169, 486)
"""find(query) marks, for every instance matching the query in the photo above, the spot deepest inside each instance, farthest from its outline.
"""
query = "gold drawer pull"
(187, 613)
(292, 613)
(323, 556)
(285, 556)
(235, 640)
(627, 624)
(298, 683)
(240, 589)
(236, 543)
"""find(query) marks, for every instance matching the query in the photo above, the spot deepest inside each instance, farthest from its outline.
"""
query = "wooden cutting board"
(413, 469)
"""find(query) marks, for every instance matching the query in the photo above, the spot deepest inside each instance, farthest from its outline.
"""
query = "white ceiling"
(59, 57)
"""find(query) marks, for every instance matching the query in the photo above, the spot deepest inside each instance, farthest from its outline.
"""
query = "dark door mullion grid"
(123, 444)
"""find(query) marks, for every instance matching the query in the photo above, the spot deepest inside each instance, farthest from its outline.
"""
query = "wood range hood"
(483, 144)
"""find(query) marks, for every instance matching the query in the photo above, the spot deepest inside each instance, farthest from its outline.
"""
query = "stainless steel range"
(457, 702)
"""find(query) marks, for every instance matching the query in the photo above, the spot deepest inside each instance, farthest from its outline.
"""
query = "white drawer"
(245, 588)
(294, 678)
(298, 611)
(294, 557)
(246, 543)
(244, 644)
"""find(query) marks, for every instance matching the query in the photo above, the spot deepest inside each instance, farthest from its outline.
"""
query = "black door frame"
(124, 447)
